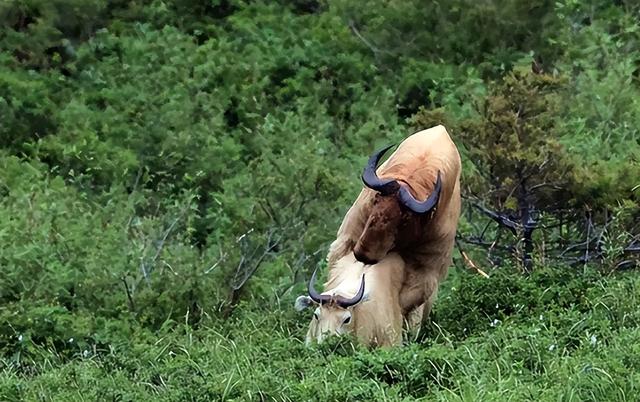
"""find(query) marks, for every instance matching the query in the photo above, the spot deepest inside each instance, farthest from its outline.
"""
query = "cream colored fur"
(376, 321)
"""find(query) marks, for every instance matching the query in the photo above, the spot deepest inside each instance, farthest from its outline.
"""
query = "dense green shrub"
(26, 108)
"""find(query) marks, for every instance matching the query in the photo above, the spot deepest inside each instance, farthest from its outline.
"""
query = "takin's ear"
(303, 302)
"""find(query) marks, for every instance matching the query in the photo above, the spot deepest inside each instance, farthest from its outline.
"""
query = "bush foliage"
(172, 171)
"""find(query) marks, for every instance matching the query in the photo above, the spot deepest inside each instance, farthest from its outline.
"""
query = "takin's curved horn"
(371, 179)
(344, 303)
(313, 293)
(425, 206)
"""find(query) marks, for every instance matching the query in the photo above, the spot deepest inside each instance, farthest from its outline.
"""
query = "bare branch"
(132, 306)
(486, 244)
(145, 272)
(147, 267)
(223, 256)
(248, 265)
(368, 44)
(545, 184)
(133, 190)
(468, 260)
(164, 239)
(500, 218)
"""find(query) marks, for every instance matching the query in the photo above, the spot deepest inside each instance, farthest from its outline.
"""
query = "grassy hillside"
(555, 336)
(171, 172)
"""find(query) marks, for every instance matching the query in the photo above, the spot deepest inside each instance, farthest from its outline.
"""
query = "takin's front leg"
(412, 323)
(383, 327)
(425, 293)
(419, 288)
(394, 330)
(431, 294)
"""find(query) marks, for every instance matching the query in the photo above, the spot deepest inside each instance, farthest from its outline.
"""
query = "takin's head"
(333, 314)
(395, 218)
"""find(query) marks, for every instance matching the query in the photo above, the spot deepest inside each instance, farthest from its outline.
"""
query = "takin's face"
(333, 313)
(328, 319)
(390, 226)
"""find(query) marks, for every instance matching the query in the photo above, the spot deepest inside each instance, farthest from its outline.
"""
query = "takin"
(359, 299)
(410, 205)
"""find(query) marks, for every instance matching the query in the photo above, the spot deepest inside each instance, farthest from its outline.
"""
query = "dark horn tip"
(355, 299)
(421, 207)
(371, 179)
(313, 293)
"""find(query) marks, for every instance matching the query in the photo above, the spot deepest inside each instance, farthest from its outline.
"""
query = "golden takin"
(410, 205)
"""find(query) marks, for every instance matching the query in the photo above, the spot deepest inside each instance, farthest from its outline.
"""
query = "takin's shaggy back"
(410, 205)
(359, 299)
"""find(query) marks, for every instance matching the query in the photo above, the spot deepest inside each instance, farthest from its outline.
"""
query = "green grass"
(577, 346)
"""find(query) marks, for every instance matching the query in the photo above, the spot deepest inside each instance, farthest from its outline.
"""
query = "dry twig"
(469, 262)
